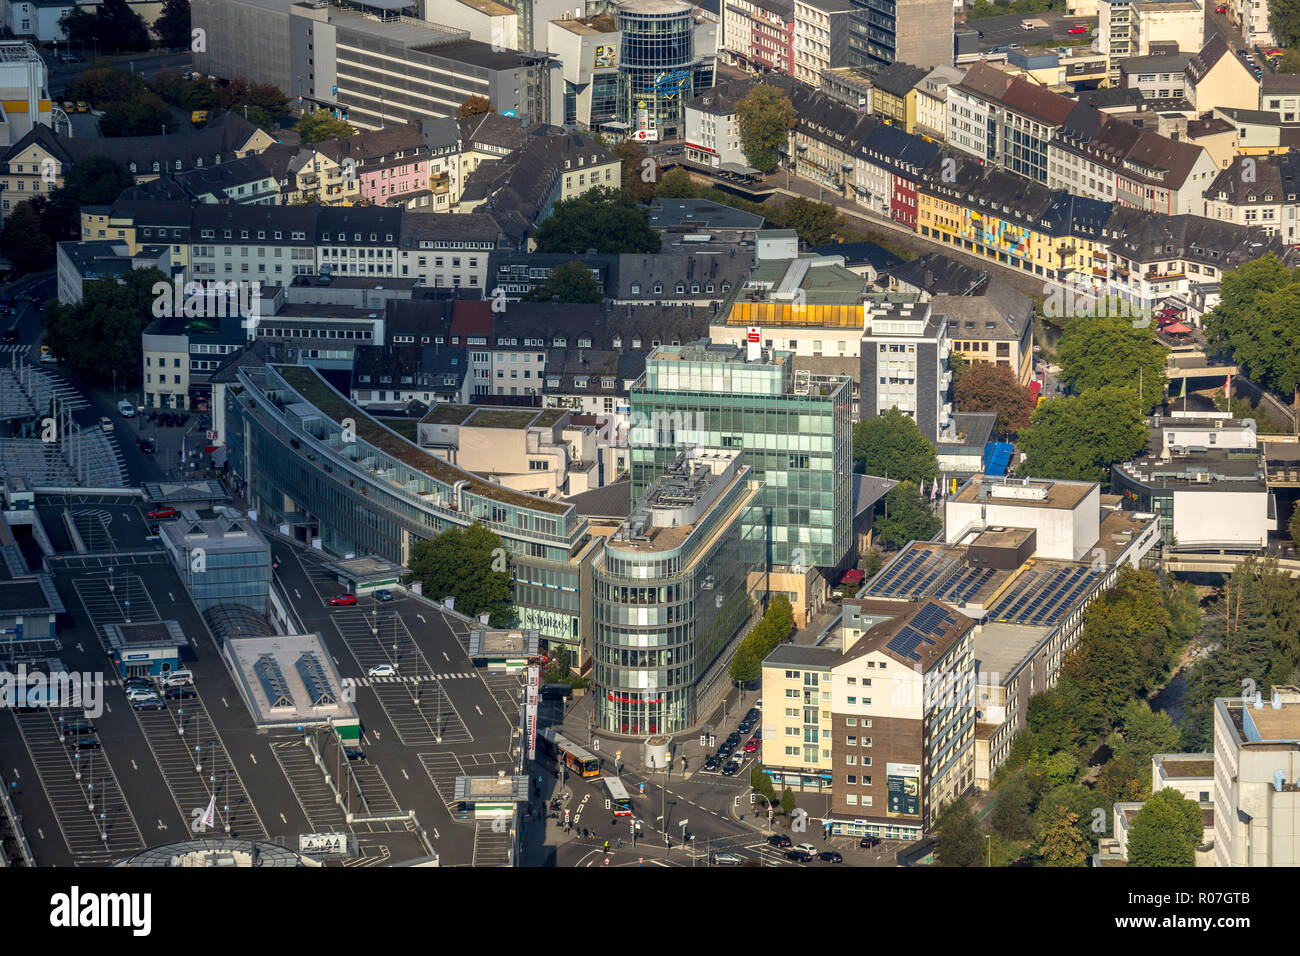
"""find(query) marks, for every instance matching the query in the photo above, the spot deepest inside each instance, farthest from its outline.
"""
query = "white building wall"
(1222, 517)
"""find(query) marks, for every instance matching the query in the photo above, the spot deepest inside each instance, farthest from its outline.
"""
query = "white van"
(126, 409)
(178, 679)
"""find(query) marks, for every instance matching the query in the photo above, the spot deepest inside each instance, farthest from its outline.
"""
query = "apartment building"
(381, 167)
(903, 723)
(889, 167)
(712, 128)
(1160, 78)
(797, 716)
(821, 37)
(442, 140)
(851, 85)
(1260, 132)
(908, 31)
(1256, 761)
(932, 101)
(905, 349)
(1031, 116)
(974, 110)
(1131, 27)
(1279, 93)
(995, 325)
(1258, 191)
(758, 35)
(1251, 17)
(895, 95)
(826, 137)
(1217, 77)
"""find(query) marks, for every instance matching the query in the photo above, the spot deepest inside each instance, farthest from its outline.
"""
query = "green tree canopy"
(112, 25)
(1121, 780)
(1059, 839)
(745, 667)
(144, 114)
(24, 241)
(173, 24)
(1012, 810)
(787, 801)
(985, 387)
(1091, 810)
(321, 125)
(677, 184)
(1166, 831)
(101, 333)
(640, 172)
(762, 782)
(892, 446)
(1100, 351)
(960, 841)
(102, 86)
(469, 564)
(261, 104)
(474, 106)
(1079, 437)
(607, 220)
(765, 116)
(903, 516)
(815, 222)
(1257, 321)
(569, 282)
(199, 93)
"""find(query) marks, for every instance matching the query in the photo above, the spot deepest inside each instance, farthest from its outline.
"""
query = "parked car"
(830, 856)
(126, 409)
(180, 693)
(83, 743)
(1079, 29)
(147, 446)
(150, 703)
(1221, 10)
(731, 769)
(779, 839)
(799, 856)
(382, 670)
(178, 678)
(751, 746)
(343, 600)
(713, 763)
(728, 859)
(352, 753)
(733, 739)
(867, 842)
(383, 594)
(105, 424)
(753, 714)
(69, 58)
(69, 106)
(83, 106)
(807, 848)
(78, 730)
(163, 513)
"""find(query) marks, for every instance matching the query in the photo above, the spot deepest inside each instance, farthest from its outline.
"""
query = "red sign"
(753, 335)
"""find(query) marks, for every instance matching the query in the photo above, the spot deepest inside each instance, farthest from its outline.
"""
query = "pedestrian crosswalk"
(410, 679)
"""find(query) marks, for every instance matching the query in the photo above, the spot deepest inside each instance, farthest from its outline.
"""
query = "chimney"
(1279, 780)
(1259, 701)
(1277, 700)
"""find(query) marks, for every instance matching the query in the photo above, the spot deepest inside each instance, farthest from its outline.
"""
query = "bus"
(619, 801)
(576, 758)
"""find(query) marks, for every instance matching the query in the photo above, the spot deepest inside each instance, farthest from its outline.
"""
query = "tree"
(1256, 321)
(640, 172)
(261, 104)
(746, 666)
(1145, 733)
(765, 116)
(199, 93)
(474, 106)
(569, 282)
(1012, 811)
(113, 25)
(985, 387)
(1103, 350)
(469, 564)
(1120, 780)
(815, 222)
(787, 801)
(101, 333)
(1284, 18)
(1294, 526)
(320, 125)
(892, 446)
(1090, 810)
(144, 114)
(1079, 437)
(24, 241)
(1166, 831)
(103, 86)
(761, 782)
(173, 24)
(677, 184)
(1060, 842)
(607, 220)
(904, 517)
(960, 842)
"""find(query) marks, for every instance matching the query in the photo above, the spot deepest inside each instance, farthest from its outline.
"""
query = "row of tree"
(773, 628)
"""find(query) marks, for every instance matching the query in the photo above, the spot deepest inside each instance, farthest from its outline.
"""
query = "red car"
(751, 747)
(1220, 10)
(1079, 29)
(164, 513)
(343, 600)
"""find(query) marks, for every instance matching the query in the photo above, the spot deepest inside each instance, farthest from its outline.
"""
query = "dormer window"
(133, 167)
(156, 166)
(636, 288)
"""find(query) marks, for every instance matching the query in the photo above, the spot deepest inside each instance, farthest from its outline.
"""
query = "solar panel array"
(962, 586)
(916, 574)
(1042, 598)
(313, 677)
(273, 682)
(930, 622)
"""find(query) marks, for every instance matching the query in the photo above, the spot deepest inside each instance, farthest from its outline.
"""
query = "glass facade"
(377, 493)
(657, 71)
(664, 618)
(798, 445)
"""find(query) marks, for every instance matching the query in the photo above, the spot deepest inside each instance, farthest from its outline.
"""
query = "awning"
(1178, 329)
(739, 169)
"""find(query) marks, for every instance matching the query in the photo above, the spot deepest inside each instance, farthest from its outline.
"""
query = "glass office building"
(672, 594)
(223, 561)
(316, 463)
(658, 69)
(796, 436)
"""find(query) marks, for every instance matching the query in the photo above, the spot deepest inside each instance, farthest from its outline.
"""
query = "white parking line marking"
(405, 774)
